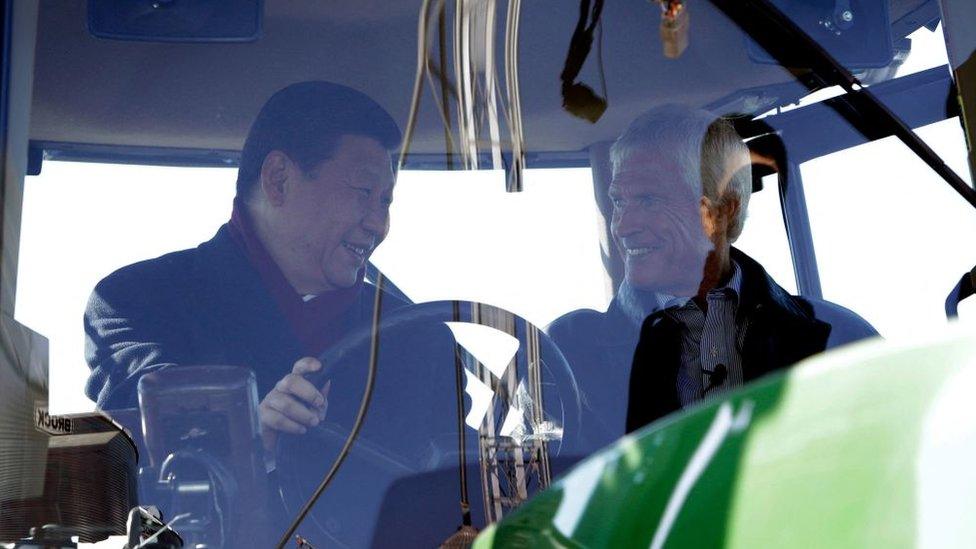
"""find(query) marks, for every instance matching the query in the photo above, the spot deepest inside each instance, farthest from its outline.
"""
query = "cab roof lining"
(91, 90)
(97, 92)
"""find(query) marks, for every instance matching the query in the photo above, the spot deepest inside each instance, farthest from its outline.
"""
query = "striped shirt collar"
(734, 284)
(731, 289)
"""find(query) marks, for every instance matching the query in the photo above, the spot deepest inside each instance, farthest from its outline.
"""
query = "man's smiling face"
(657, 223)
(330, 220)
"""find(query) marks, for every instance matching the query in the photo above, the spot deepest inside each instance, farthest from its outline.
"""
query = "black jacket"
(202, 306)
(780, 330)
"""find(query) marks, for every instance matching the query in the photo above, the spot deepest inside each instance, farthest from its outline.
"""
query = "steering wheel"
(411, 430)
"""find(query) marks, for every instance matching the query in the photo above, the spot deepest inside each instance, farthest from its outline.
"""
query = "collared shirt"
(710, 342)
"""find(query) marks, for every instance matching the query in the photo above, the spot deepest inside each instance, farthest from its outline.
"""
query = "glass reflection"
(244, 361)
(693, 316)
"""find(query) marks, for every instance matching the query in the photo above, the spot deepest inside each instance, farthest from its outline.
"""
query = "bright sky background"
(891, 237)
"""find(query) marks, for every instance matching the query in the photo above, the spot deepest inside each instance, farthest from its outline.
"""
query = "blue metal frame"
(208, 158)
(919, 99)
(797, 219)
(6, 20)
(125, 154)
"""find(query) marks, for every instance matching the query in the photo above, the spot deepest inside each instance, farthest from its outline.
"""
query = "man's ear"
(709, 218)
(274, 177)
(730, 209)
(718, 216)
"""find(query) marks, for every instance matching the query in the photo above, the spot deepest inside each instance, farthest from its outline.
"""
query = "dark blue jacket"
(602, 348)
(780, 330)
(202, 306)
(599, 348)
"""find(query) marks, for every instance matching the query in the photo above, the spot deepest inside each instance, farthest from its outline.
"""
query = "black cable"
(462, 446)
(357, 424)
(378, 301)
(581, 41)
(796, 50)
(579, 99)
(218, 475)
(418, 84)
(716, 378)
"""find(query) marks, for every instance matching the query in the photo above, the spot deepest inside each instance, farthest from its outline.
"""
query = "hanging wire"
(422, 68)
(418, 82)
(491, 85)
(514, 182)
(432, 70)
(360, 416)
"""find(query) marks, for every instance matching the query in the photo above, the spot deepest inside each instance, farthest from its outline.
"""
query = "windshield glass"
(459, 247)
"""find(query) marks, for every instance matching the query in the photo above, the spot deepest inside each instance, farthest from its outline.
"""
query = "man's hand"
(294, 404)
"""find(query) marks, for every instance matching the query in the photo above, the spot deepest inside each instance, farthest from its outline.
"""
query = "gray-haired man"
(693, 315)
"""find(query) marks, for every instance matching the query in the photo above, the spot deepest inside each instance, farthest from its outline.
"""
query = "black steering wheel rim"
(440, 312)
(434, 312)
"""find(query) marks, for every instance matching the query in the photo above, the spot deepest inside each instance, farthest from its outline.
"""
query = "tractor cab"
(482, 295)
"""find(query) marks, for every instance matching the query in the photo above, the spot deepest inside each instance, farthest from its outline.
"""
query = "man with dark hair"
(281, 281)
(694, 316)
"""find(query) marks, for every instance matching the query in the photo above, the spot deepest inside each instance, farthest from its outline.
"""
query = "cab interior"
(151, 100)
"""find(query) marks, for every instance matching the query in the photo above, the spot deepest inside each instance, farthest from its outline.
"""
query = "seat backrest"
(846, 326)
